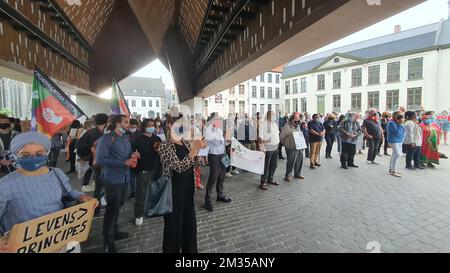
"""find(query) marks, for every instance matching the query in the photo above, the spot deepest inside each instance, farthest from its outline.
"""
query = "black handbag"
(67, 200)
(159, 197)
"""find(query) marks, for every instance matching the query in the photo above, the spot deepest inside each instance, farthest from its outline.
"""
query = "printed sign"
(300, 141)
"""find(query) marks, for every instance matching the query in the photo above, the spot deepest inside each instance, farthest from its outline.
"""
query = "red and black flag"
(52, 109)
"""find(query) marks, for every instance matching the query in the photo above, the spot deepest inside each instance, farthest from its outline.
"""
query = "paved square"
(333, 210)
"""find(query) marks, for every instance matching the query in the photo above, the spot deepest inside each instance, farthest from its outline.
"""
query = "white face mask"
(133, 130)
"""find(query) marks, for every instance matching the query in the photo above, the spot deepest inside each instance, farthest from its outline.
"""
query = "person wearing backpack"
(85, 148)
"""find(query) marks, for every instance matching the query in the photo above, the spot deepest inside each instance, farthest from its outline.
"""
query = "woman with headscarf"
(429, 151)
(34, 190)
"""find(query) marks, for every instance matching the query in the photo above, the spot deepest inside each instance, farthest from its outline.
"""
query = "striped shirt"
(24, 198)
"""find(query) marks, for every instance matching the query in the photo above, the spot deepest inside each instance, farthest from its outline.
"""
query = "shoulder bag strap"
(60, 181)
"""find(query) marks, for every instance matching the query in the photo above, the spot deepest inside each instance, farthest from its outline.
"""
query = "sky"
(428, 12)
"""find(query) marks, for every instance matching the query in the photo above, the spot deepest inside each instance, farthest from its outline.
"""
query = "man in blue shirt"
(114, 154)
(316, 137)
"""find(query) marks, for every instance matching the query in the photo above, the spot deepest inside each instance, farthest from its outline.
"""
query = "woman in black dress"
(179, 161)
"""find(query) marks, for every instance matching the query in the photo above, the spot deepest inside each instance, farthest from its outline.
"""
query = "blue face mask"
(428, 121)
(150, 130)
(32, 163)
(123, 131)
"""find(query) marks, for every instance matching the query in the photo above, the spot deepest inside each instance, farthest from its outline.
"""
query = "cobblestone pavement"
(333, 210)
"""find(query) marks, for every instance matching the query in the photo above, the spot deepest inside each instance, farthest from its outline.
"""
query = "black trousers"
(115, 196)
(88, 175)
(280, 150)
(228, 150)
(307, 151)
(348, 154)
(373, 148)
(386, 143)
(53, 157)
(142, 181)
(330, 141)
(98, 185)
(216, 177)
(380, 144)
(412, 153)
(72, 155)
(270, 166)
(180, 227)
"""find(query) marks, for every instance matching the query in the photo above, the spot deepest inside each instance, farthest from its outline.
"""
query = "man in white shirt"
(269, 140)
(413, 141)
(216, 143)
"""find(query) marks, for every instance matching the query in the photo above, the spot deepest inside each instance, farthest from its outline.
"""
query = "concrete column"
(192, 107)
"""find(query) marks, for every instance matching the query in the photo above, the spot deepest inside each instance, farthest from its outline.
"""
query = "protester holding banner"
(216, 158)
(269, 140)
(147, 145)
(114, 154)
(33, 190)
(6, 136)
(288, 136)
(179, 161)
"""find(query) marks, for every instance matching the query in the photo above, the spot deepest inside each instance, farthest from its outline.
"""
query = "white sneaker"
(235, 172)
(103, 201)
(88, 188)
(228, 175)
(139, 221)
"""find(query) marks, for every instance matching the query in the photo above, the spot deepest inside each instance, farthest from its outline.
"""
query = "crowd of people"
(114, 155)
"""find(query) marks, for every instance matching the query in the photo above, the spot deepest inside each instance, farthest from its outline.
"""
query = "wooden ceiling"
(191, 20)
(90, 17)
